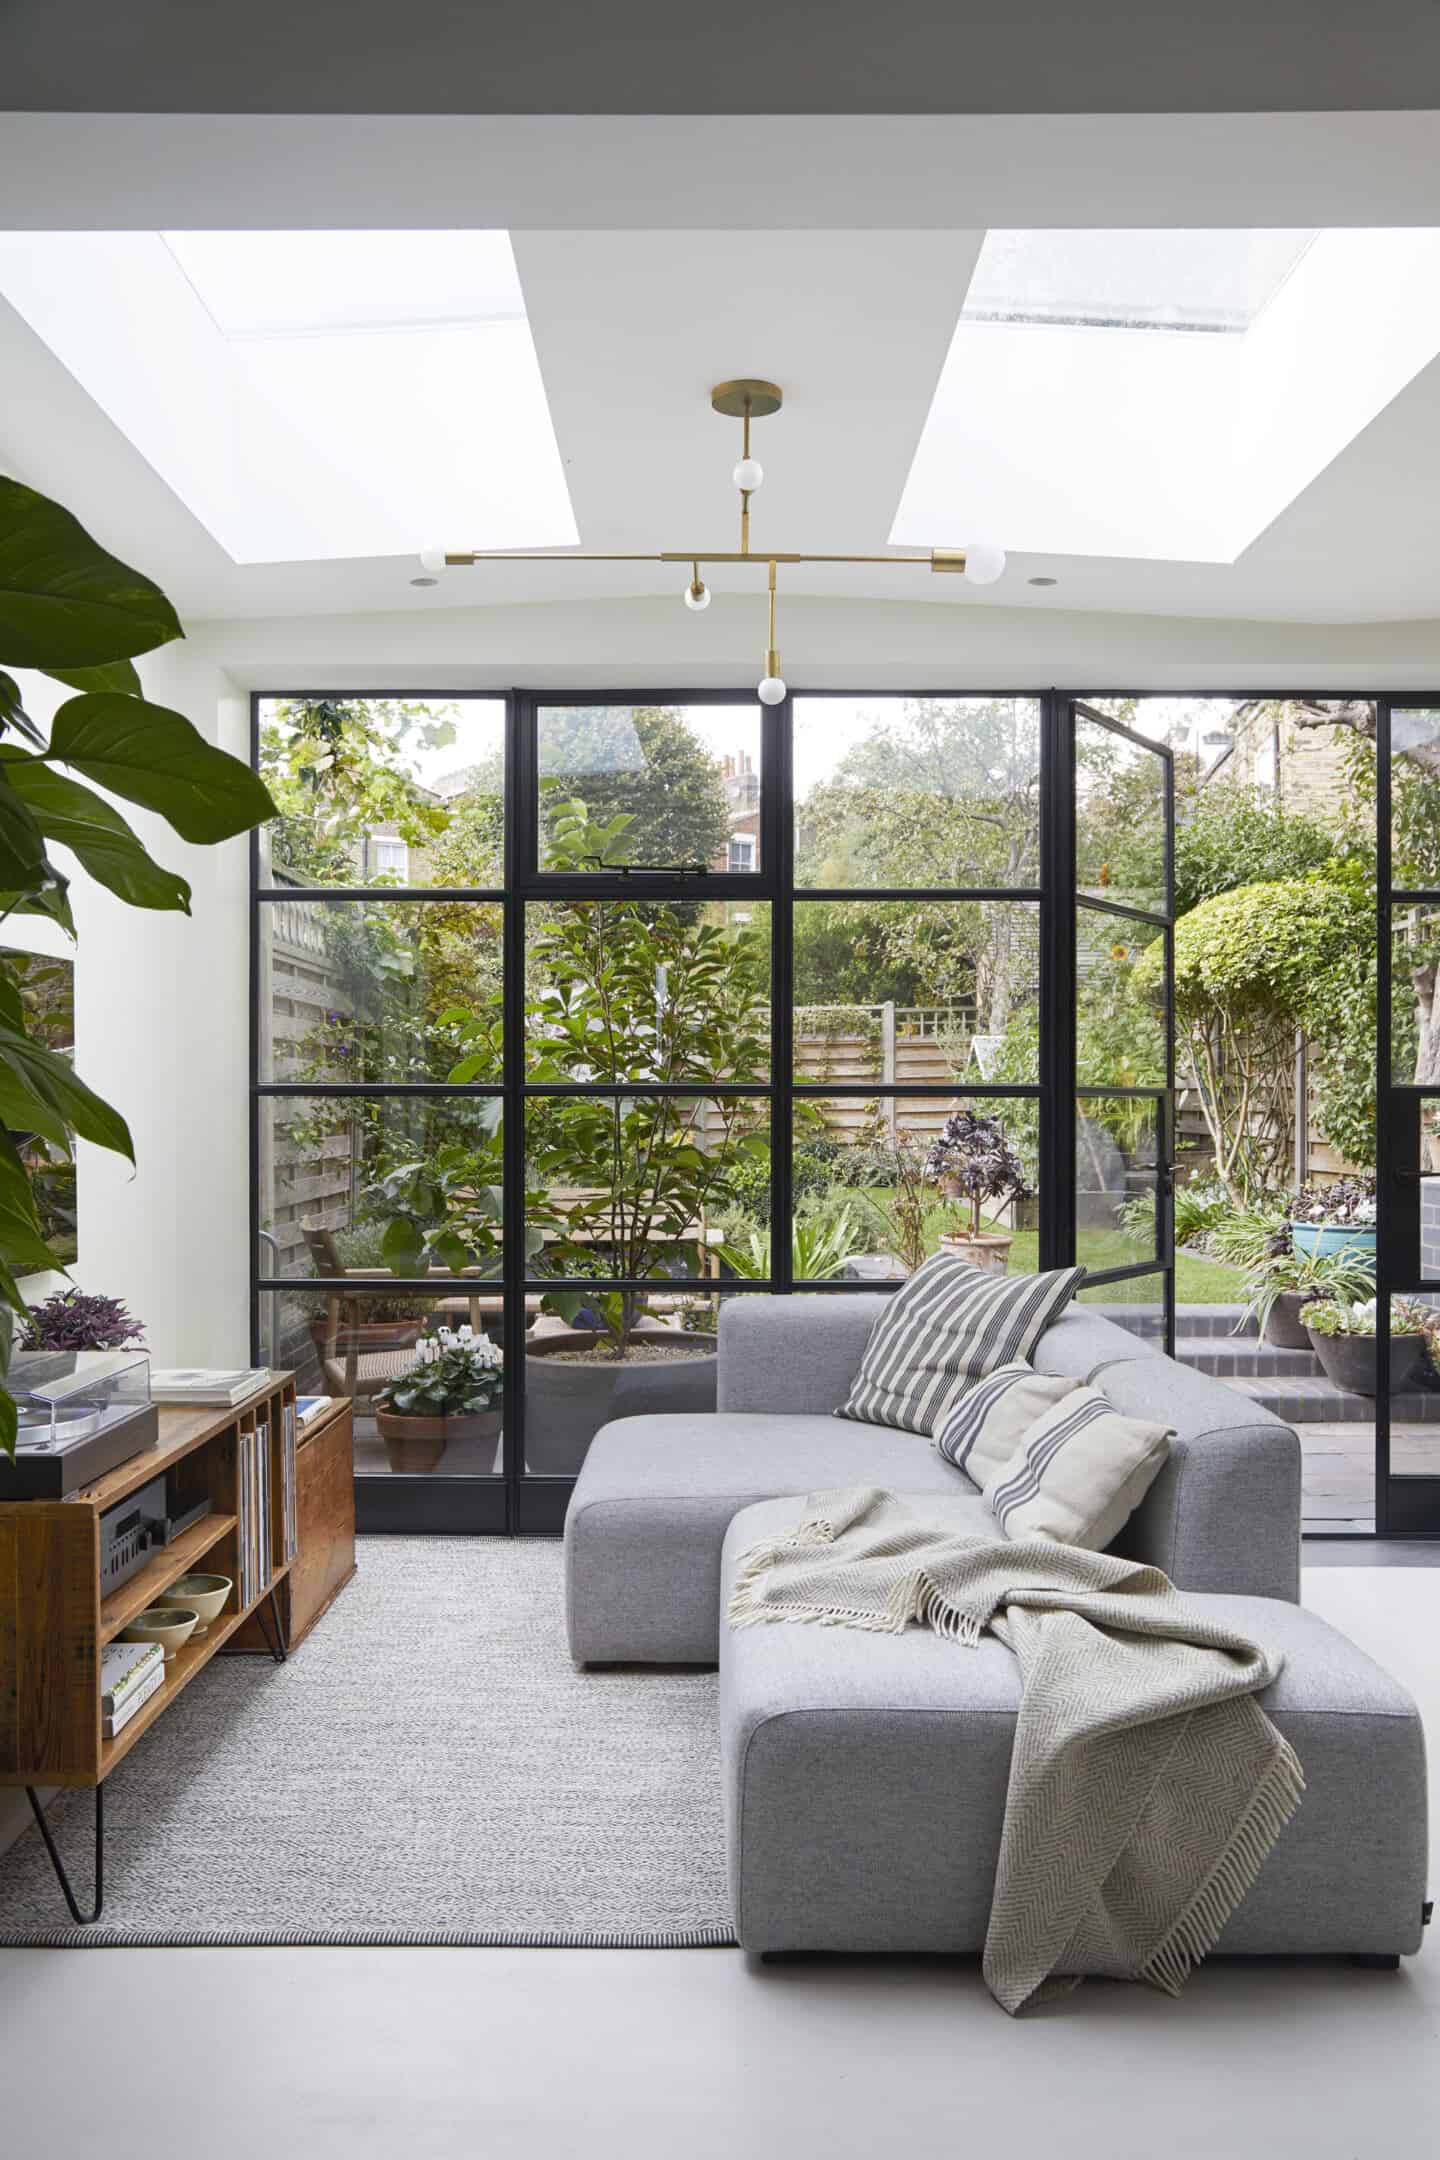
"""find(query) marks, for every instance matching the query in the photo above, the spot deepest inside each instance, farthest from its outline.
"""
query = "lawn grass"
(1197, 1281)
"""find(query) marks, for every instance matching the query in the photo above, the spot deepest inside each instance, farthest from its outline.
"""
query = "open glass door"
(1123, 797)
(1407, 1422)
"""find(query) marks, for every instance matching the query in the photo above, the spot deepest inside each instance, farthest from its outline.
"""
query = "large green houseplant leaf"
(77, 614)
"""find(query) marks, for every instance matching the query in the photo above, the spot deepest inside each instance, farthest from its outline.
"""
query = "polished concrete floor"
(445, 2055)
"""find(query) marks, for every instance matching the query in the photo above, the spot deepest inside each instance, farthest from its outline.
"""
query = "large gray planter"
(1284, 1328)
(1350, 1362)
(566, 1404)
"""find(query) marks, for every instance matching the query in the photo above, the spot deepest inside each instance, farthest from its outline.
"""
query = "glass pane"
(609, 1358)
(384, 791)
(388, 991)
(354, 1344)
(1429, 1167)
(1170, 281)
(1116, 1152)
(1137, 1304)
(1119, 818)
(1414, 1006)
(917, 791)
(642, 1186)
(651, 990)
(1119, 1001)
(367, 1186)
(652, 785)
(1415, 800)
(878, 1181)
(934, 991)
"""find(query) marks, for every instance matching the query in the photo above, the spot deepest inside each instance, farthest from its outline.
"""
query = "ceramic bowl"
(202, 1594)
(169, 1625)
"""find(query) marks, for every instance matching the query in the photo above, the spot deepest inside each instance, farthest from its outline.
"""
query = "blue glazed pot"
(1322, 1240)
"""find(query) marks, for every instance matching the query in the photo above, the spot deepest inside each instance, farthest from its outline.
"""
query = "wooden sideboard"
(54, 1622)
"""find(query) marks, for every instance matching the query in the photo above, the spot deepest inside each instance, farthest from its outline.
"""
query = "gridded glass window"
(647, 990)
(917, 792)
(379, 991)
(652, 786)
(1117, 1139)
(1120, 819)
(383, 791)
(944, 992)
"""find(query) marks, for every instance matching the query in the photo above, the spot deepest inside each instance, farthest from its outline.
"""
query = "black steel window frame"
(517, 1502)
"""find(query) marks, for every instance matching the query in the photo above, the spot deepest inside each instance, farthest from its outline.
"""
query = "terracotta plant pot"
(414, 1445)
(1284, 1329)
(990, 1251)
(1350, 1362)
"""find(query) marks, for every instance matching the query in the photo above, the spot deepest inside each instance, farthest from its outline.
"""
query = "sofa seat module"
(865, 1779)
(655, 1495)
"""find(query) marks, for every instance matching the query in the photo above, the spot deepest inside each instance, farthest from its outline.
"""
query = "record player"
(80, 1413)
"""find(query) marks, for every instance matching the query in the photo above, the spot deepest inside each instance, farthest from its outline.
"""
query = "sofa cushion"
(990, 1420)
(654, 1499)
(1079, 1473)
(944, 1329)
(865, 1777)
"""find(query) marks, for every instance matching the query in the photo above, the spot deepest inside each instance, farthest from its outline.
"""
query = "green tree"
(337, 771)
(1235, 836)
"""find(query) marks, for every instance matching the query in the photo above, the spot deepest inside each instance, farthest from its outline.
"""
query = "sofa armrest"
(793, 1354)
(1224, 1513)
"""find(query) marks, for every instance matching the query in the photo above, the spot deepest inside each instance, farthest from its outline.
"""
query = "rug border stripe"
(716, 1936)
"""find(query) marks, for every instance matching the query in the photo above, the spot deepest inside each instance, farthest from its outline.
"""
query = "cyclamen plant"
(75, 1320)
(451, 1377)
(973, 1160)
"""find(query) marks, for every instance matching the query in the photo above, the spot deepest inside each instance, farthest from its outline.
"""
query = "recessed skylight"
(1208, 281)
(1071, 419)
(312, 395)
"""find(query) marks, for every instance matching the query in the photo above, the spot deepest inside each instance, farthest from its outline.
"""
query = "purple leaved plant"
(76, 1320)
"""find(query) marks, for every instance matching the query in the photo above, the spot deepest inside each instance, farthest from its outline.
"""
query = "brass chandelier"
(746, 400)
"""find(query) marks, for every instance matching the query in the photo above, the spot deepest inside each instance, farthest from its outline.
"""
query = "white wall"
(162, 1003)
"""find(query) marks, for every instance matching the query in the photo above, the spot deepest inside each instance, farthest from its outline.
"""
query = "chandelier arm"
(467, 558)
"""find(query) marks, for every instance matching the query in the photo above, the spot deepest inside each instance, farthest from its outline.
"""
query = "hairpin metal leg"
(275, 1638)
(81, 1919)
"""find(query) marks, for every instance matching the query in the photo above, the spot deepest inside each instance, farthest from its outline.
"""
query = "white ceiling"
(648, 289)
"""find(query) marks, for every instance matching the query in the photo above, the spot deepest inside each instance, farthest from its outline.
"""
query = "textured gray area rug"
(429, 1767)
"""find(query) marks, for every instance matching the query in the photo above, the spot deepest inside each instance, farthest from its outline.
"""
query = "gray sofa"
(865, 1775)
(656, 1495)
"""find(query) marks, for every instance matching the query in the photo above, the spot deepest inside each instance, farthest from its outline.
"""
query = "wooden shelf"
(178, 1558)
(179, 1672)
(181, 1432)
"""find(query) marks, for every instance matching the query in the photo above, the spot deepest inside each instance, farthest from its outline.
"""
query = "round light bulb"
(748, 475)
(772, 690)
(432, 561)
(697, 596)
(984, 562)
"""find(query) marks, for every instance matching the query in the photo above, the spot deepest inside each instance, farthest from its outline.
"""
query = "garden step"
(1301, 1400)
(1193, 1320)
(1230, 1357)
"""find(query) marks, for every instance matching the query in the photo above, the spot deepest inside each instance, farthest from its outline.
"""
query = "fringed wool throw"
(1146, 1786)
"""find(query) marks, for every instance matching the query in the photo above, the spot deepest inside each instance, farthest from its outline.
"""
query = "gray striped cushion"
(982, 1431)
(943, 1330)
(1079, 1473)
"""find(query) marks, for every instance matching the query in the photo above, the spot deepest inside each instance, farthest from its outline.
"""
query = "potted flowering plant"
(972, 1161)
(453, 1391)
(1338, 1218)
(1343, 1337)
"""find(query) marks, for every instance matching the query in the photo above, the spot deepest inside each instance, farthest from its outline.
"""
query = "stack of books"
(130, 1673)
(206, 1384)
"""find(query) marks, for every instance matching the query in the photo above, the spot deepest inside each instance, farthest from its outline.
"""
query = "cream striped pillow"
(943, 1330)
(982, 1431)
(1079, 1473)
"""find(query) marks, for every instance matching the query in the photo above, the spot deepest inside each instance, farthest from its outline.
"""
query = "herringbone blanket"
(1146, 1787)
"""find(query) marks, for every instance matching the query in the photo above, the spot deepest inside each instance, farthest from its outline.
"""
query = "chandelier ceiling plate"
(731, 398)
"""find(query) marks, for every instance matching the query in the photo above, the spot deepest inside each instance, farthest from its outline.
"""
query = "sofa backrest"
(1224, 1513)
